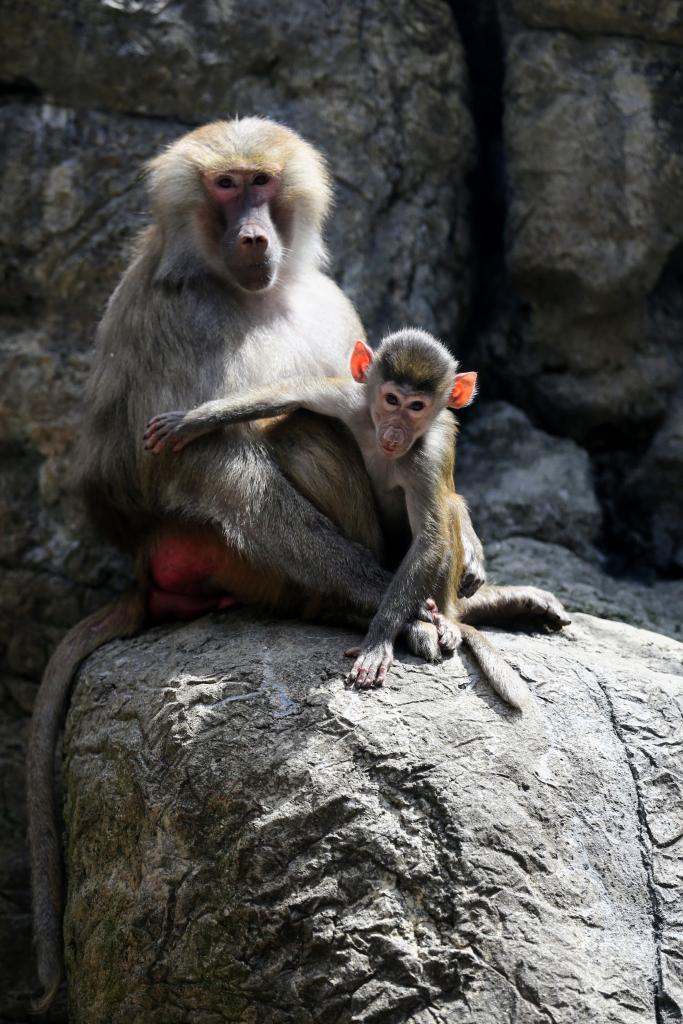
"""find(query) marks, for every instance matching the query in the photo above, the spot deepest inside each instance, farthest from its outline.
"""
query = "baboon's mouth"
(257, 276)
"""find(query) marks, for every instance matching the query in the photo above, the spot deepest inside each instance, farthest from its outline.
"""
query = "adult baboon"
(224, 292)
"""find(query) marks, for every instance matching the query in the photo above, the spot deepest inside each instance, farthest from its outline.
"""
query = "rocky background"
(509, 175)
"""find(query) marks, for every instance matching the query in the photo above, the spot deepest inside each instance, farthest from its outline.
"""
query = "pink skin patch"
(227, 186)
(181, 567)
(400, 415)
(244, 239)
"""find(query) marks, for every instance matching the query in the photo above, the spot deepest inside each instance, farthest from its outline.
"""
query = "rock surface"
(595, 215)
(650, 19)
(520, 481)
(381, 89)
(249, 841)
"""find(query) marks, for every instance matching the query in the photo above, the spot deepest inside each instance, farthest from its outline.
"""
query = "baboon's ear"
(361, 357)
(463, 391)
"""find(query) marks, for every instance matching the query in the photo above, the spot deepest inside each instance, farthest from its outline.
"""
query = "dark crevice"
(627, 538)
(19, 89)
(621, 544)
(479, 29)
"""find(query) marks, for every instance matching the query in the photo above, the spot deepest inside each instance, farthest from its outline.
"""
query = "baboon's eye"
(261, 179)
(416, 406)
(225, 181)
(391, 399)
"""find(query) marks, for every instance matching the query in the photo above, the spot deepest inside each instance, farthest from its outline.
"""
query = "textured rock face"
(520, 481)
(651, 19)
(595, 215)
(249, 841)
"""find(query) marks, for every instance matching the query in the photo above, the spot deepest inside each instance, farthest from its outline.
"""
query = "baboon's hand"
(372, 663)
(474, 570)
(447, 631)
(174, 428)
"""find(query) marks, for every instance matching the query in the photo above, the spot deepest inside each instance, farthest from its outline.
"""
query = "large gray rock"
(249, 841)
(70, 204)
(649, 19)
(520, 481)
(595, 213)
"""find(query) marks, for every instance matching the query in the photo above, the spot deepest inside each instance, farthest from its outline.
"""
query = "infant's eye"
(391, 399)
(261, 179)
(225, 181)
(416, 406)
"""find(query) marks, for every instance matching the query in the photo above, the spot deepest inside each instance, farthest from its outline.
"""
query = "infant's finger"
(383, 670)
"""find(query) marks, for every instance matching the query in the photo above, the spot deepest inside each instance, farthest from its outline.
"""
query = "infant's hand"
(170, 427)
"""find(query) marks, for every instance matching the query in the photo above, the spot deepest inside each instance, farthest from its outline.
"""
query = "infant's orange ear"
(463, 391)
(361, 357)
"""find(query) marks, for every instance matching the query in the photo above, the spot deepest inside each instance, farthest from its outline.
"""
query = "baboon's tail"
(121, 617)
(506, 682)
